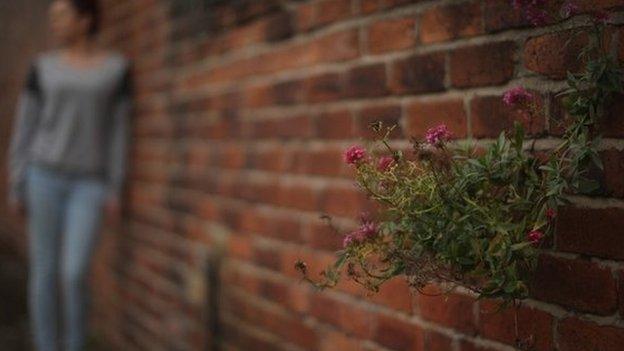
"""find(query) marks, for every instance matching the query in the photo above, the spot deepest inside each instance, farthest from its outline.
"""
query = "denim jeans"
(64, 219)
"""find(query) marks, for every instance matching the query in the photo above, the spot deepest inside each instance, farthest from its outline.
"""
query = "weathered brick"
(534, 326)
(576, 284)
(398, 334)
(592, 232)
(450, 310)
(490, 116)
(389, 115)
(390, 35)
(422, 115)
(500, 14)
(486, 64)
(579, 335)
(418, 74)
(326, 87)
(367, 81)
(554, 54)
(446, 22)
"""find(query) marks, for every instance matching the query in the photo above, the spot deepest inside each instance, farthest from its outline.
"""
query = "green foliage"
(475, 216)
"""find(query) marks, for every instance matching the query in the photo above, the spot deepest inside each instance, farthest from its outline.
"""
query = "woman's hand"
(112, 208)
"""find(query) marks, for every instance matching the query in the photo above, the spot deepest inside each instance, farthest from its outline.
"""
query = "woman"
(66, 164)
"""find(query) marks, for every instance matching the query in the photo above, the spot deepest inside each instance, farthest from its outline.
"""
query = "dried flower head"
(384, 163)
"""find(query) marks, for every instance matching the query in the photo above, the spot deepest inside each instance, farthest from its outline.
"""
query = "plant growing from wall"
(477, 215)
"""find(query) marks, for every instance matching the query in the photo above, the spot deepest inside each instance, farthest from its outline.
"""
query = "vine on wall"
(477, 215)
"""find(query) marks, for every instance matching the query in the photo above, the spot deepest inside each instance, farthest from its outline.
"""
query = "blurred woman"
(66, 163)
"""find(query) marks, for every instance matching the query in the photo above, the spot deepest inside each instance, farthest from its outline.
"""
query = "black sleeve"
(32, 80)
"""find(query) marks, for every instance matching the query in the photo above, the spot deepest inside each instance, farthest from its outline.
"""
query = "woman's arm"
(24, 128)
(119, 135)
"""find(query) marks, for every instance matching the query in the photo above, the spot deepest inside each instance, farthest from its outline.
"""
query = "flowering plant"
(469, 214)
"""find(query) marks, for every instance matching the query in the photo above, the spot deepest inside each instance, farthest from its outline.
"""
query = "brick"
(324, 88)
(391, 35)
(534, 326)
(591, 232)
(437, 342)
(613, 161)
(554, 54)
(576, 284)
(446, 309)
(335, 125)
(329, 11)
(579, 335)
(367, 81)
(486, 64)
(344, 201)
(500, 14)
(389, 115)
(418, 74)
(490, 116)
(446, 22)
(422, 115)
(397, 334)
(469, 346)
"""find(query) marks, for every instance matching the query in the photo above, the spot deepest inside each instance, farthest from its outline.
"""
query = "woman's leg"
(45, 204)
(82, 225)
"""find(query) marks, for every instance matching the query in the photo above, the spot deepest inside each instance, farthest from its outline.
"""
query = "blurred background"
(242, 111)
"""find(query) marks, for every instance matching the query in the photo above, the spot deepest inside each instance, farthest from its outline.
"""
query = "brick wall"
(242, 112)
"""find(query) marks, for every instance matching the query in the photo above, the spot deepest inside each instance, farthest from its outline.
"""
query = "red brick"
(579, 335)
(613, 161)
(534, 326)
(335, 125)
(422, 115)
(577, 284)
(325, 87)
(446, 309)
(469, 346)
(397, 334)
(418, 74)
(500, 14)
(593, 232)
(367, 81)
(389, 115)
(554, 54)
(486, 64)
(445, 22)
(390, 35)
(328, 11)
(344, 201)
(490, 116)
(437, 342)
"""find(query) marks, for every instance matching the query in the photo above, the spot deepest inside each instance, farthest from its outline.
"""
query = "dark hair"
(89, 8)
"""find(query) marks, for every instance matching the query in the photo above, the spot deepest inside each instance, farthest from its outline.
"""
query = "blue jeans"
(64, 219)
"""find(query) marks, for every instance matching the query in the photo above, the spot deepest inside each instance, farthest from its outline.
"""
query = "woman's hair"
(89, 8)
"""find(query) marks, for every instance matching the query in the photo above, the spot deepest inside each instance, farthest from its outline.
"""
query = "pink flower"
(354, 154)
(551, 214)
(570, 9)
(367, 230)
(385, 163)
(535, 236)
(602, 17)
(437, 135)
(516, 95)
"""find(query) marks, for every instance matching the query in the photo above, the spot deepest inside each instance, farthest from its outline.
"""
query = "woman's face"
(66, 23)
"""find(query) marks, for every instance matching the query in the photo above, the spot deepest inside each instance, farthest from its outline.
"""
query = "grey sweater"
(73, 120)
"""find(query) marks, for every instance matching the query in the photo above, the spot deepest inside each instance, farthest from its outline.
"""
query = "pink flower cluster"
(535, 236)
(437, 135)
(354, 154)
(551, 214)
(516, 96)
(367, 230)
